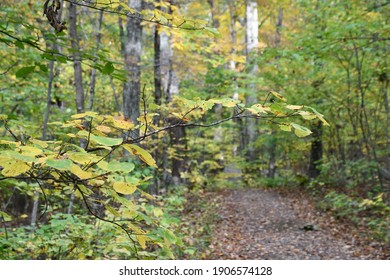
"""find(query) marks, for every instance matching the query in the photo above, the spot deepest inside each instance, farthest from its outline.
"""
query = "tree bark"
(78, 72)
(132, 53)
(252, 42)
(93, 71)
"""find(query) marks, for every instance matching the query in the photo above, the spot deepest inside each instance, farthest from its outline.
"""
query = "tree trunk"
(273, 142)
(252, 42)
(132, 53)
(93, 71)
(316, 151)
(78, 72)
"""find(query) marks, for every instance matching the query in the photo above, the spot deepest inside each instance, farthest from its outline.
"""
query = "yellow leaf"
(146, 195)
(278, 96)
(144, 155)
(86, 114)
(14, 167)
(158, 212)
(258, 108)
(294, 107)
(307, 115)
(142, 240)
(76, 170)
(124, 188)
(83, 158)
(30, 151)
(103, 128)
(122, 123)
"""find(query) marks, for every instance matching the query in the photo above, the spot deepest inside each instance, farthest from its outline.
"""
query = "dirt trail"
(264, 224)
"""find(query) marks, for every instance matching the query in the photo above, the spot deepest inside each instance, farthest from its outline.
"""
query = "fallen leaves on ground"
(266, 224)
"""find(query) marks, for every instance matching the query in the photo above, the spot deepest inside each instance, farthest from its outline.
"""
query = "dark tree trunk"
(316, 151)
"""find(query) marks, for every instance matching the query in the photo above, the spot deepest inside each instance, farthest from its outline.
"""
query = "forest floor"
(272, 225)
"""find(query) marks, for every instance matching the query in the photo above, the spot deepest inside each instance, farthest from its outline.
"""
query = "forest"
(180, 129)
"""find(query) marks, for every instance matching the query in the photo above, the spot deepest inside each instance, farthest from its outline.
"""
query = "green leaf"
(24, 71)
(106, 141)
(300, 131)
(116, 166)
(60, 164)
(5, 216)
(108, 68)
(285, 127)
(19, 44)
(212, 31)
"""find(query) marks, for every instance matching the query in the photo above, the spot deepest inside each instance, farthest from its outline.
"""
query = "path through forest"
(265, 224)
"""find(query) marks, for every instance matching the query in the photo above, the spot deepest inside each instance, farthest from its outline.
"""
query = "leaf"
(294, 107)
(300, 131)
(120, 166)
(24, 71)
(60, 164)
(106, 141)
(5, 217)
(169, 236)
(212, 31)
(307, 115)
(142, 240)
(144, 155)
(122, 123)
(108, 68)
(83, 158)
(319, 116)
(228, 102)
(76, 170)
(14, 167)
(40, 143)
(285, 127)
(83, 115)
(16, 155)
(258, 109)
(30, 151)
(278, 96)
(112, 210)
(103, 128)
(124, 188)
